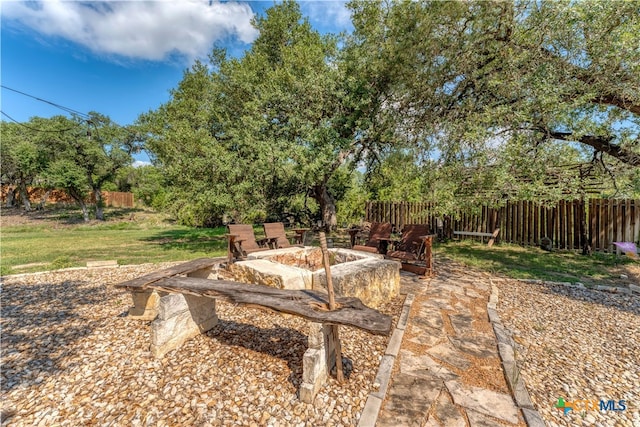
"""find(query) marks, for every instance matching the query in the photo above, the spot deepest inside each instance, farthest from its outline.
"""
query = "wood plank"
(601, 225)
(636, 220)
(308, 304)
(472, 233)
(184, 268)
(628, 234)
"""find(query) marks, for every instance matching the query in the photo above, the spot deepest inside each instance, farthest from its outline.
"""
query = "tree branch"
(585, 75)
(602, 144)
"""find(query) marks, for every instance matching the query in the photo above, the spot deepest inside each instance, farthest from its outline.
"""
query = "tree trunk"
(77, 196)
(11, 197)
(24, 195)
(43, 200)
(327, 207)
(97, 193)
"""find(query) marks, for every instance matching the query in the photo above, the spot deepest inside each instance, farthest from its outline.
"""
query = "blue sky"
(121, 58)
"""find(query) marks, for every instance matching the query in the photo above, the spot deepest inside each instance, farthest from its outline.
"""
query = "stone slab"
(370, 412)
(437, 303)
(404, 317)
(373, 281)
(429, 317)
(145, 305)
(448, 413)
(411, 394)
(167, 335)
(180, 318)
(449, 354)
(394, 343)
(102, 264)
(265, 272)
(423, 366)
(493, 315)
(477, 419)
(532, 418)
(484, 401)
(521, 395)
(472, 293)
(381, 381)
(478, 346)
(462, 323)
(425, 335)
(314, 373)
(502, 334)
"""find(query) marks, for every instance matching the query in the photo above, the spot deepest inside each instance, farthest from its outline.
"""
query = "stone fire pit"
(369, 277)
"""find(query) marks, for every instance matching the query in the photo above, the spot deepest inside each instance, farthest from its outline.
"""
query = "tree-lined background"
(464, 104)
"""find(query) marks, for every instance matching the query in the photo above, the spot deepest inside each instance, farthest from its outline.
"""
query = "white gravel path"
(578, 344)
(71, 357)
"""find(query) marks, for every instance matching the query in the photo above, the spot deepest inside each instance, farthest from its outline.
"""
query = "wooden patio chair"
(242, 241)
(276, 235)
(414, 250)
(379, 236)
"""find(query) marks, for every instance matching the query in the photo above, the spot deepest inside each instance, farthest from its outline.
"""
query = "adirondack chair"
(414, 249)
(379, 236)
(276, 235)
(242, 241)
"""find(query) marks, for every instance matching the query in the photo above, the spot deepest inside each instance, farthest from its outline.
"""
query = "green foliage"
(351, 206)
(5, 270)
(61, 262)
(485, 88)
(147, 184)
(247, 137)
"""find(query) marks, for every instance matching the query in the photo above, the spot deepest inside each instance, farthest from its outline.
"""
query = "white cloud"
(151, 30)
(140, 163)
(327, 13)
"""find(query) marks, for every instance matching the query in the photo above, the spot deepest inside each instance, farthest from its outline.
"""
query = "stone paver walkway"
(447, 371)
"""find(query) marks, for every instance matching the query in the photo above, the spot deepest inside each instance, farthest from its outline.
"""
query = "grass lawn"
(534, 263)
(57, 238)
(55, 241)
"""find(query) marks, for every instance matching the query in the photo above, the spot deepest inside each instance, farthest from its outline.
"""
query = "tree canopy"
(455, 102)
(494, 86)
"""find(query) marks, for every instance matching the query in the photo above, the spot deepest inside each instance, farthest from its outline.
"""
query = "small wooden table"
(383, 243)
(353, 233)
(300, 235)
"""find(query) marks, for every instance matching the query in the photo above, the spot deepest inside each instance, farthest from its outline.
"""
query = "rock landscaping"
(71, 356)
(578, 344)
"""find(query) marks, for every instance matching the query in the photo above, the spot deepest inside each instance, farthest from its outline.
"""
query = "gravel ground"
(71, 357)
(578, 344)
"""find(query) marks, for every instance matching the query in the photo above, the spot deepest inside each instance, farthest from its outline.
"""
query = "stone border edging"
(509, 364)
(62, 270)
(373, 405)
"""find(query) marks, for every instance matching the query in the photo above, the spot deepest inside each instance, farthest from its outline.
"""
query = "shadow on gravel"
(39, 325)
(283, 343)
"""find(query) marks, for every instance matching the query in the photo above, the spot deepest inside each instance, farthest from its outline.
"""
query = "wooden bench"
(492, 236)
(184, 307)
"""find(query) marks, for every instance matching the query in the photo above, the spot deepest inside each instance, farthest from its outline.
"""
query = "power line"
(32, 128)
(67, 109)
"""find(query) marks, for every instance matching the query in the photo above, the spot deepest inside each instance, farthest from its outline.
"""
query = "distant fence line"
(570, 224)
(115, 199)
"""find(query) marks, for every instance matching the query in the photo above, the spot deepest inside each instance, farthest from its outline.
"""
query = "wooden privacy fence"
(118, 199)
(115, 199)
(568, 225)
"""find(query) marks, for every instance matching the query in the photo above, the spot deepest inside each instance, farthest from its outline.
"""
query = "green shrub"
(61, 262)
